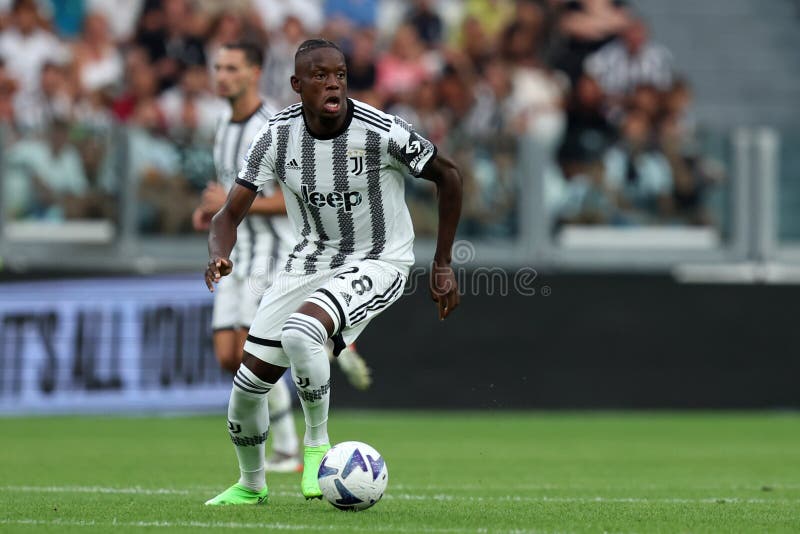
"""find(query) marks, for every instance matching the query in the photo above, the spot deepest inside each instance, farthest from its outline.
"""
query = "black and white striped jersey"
(259, 238)
(344, 195)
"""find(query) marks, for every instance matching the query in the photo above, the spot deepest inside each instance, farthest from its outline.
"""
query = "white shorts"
(237, 296)
(236, 300)
(352, 295)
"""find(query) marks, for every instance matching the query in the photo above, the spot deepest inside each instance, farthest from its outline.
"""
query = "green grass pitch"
(448, 473)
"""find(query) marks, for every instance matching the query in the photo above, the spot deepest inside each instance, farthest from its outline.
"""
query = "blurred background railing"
(122, 198)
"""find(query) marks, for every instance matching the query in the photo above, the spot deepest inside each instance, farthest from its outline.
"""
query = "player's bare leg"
(228, 348)
(303, 338)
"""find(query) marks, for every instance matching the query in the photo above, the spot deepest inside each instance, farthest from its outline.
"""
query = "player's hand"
(216, 269)
(444, 289)
(214, 197)
(201, 219)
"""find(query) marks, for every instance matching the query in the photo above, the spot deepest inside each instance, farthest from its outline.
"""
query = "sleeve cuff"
(249, 185)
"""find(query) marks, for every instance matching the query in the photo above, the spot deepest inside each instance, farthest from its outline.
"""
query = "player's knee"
(296, 342)
(302, 335)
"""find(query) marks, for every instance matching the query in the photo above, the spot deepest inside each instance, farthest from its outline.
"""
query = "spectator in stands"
(677, 105)
(25, 47)
(45, 179)
(121, 16)
(526, 34)
(645, 98)
(150, 31)
(94, 110)
(588, 134)
(637, 174)
(155, 168)
(428, 114)
(150, 150)
(361, 59)
(400, 70)
(424, 18)
(693, 174)
(98, 62)
(456, 96)
(490, 86)
(141, 83)
(189, 108)
(475, 44)
(584, 27)
(629, 62)
(165, 31)
(279, 62)
(537, 103)
(52, 99)
(578, 194)
(537, 98)
(227, 27)
(687, 173)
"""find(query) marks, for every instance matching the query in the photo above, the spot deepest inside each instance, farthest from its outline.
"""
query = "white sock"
(284, 435)
(248, 425)
(303, 339)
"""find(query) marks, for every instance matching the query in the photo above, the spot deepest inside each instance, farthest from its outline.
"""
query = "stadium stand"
(563, 113)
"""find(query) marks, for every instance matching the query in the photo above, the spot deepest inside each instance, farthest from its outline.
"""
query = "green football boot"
(312, 457)
(238, 494)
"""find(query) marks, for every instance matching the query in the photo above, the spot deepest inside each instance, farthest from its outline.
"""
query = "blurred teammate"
(263, 242)
(263, 237)
(340, 165)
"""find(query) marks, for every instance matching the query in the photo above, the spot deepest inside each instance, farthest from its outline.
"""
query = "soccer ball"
(352, 476)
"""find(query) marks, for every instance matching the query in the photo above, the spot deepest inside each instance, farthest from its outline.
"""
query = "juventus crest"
(355, 160)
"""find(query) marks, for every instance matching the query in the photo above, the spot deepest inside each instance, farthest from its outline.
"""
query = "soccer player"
(264, 237)
(263, 245)
(340, 164)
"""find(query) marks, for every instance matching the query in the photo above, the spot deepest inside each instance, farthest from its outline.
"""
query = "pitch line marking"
(234, 525)
(136, 490)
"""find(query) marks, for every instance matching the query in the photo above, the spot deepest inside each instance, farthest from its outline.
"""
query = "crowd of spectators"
(579, 81)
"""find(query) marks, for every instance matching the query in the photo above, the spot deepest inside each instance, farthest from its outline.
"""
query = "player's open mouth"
(332, 104)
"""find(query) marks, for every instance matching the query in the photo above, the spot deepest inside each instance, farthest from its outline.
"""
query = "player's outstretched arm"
(222, 234)
(444, 289)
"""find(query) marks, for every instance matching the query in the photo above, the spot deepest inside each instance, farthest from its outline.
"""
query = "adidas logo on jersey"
(293, 165)
(335, 199)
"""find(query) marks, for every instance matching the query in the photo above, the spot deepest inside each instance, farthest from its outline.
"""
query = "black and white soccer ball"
(353, 476)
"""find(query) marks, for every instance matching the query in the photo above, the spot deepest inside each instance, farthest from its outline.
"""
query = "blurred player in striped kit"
(263, 243)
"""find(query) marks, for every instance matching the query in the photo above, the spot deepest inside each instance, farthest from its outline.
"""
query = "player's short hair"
(252, 52)
(314, 44)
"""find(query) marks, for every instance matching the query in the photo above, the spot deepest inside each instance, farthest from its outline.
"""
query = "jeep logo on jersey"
(335, 199)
